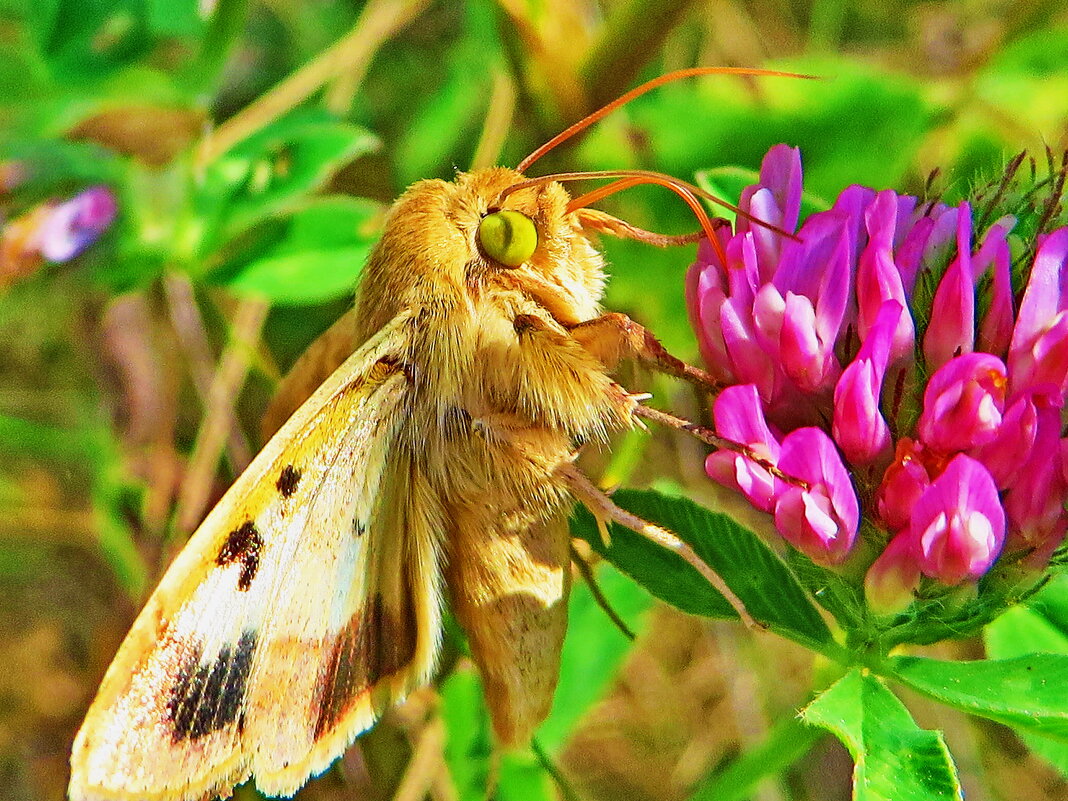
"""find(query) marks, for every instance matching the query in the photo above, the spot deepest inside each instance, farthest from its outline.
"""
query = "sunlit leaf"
(894, 759)
(1041, 625)
(274, 169)
(316, 255)
(754, 573)
(1026, 692)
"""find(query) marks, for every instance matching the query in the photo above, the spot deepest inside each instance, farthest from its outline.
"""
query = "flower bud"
(820, 520)
(958, 523)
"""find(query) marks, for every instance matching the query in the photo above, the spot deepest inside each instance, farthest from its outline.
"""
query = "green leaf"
(664, 574)
(770, 592)
(56, 167)
(1038, 626)
(312, 276)
(785, 744)
(468, 744)
(593, 651)
(86, 40)
(727, 183)
(1028, 692)
(271, 171)
(174, 17)
(317, 254)
(523, 777)
(1052, 604)
(830, 589)
(895, 760)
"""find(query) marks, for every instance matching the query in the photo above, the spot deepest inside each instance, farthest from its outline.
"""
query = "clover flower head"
(877, 360)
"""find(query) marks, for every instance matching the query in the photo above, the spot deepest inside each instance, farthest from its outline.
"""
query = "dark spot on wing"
(207, 698)
(288, 480)
(374, 644)
(357, 528)
(243, 544)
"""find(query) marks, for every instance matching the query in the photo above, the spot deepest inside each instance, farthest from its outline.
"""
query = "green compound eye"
(508, 237)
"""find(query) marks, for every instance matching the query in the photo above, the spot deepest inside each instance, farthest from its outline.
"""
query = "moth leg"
(603, 508)
(584, 569)
(587, 401)
(710, 437)
(613, 337)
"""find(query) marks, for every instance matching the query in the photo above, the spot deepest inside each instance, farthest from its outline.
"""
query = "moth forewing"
(288, 619)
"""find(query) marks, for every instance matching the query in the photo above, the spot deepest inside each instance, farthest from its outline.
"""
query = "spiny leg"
(613, 337)
(584, 569)
(603, 508)
(710, 437)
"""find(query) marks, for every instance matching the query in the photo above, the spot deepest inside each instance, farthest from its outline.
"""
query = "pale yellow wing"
(306, 602)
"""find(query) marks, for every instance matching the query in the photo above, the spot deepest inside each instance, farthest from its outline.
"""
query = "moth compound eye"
(508, 237)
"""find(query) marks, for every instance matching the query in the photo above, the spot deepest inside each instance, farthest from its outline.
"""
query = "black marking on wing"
(374, 644)
(288, 480)
(243, 544)
(207, 698)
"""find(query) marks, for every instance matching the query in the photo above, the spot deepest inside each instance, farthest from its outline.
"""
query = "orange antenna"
(631, 178)
(638, 91)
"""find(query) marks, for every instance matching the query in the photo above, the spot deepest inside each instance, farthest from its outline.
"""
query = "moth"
(435, 458)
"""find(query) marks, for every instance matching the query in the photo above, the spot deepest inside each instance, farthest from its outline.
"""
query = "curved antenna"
(629, 178)
(632, 178)
(638, 91)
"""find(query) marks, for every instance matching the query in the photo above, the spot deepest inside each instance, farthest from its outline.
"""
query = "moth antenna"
(681, 188)
(588, 199)
(605, 223)
(638, 91)
(629, 178)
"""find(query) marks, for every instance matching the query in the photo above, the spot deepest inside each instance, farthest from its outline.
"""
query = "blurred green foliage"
(253, 148)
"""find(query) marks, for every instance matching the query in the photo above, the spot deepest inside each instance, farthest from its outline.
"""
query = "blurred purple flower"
(880, 349)
(75, 224)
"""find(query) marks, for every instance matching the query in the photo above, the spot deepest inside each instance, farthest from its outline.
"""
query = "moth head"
(528, 239)
(459, 239)
(450, 238)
